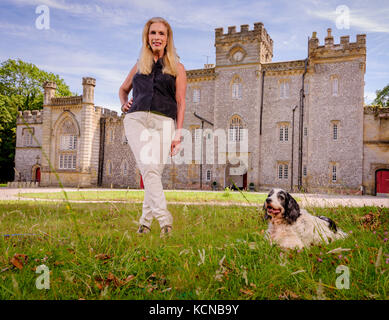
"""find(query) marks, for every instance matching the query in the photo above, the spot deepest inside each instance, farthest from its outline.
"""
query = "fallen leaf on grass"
(247, 292)
(112, 279)
(102, 256)
(19, 260)
(288, 295)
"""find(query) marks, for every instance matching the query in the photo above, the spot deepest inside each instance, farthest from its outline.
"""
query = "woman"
(158, 81)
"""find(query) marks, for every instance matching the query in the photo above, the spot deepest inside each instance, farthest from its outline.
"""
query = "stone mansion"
(303, 122)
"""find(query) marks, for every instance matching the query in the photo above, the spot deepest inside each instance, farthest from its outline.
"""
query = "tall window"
(335, 131)
(125, 168)
(236, 88)
(283, 171)
(284, 132)
(335, 86)
(196, 95)
(27, 137)
(334, 173)
(236, 129)
(109, 168)
(209, 175)
(68, 140)
(284, 89)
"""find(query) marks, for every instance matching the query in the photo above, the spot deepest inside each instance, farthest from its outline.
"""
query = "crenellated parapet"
(255, 44)
(66, 101)
(206, 74)
(29, 117)
(284, 68)
(331, 51)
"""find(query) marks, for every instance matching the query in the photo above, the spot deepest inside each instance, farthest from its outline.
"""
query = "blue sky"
(102, 38)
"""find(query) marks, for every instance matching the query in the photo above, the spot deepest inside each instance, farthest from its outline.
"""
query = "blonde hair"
(146, 58)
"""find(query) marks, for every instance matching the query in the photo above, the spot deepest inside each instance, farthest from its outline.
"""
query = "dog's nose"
(268, 200)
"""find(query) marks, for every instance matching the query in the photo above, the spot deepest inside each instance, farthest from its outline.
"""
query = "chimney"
(88, 93)
(49, 88)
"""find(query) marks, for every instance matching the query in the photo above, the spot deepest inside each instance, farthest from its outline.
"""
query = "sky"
(102, 38)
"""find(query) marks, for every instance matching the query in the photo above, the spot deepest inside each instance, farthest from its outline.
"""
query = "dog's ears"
(292, 209)
(266, 216)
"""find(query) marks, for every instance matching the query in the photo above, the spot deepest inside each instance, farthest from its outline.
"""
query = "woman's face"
(158, 37)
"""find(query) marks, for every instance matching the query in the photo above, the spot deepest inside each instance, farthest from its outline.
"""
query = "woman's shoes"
(166, 231)
(143, 229)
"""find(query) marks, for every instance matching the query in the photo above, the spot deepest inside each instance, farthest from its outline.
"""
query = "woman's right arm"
(125, 89)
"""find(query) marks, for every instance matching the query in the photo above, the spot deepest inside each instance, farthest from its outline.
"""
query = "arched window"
(68, 141)
(236, 129)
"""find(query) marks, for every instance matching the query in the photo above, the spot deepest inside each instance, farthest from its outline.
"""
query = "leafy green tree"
(20, 89)
(382, 98)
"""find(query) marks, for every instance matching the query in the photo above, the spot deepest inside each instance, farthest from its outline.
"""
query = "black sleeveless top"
(155, 92)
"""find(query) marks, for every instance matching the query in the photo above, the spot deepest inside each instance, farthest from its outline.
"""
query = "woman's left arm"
(180, 98)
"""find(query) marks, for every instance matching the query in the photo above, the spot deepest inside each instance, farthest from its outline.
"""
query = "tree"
(20, 89)
(382, 98)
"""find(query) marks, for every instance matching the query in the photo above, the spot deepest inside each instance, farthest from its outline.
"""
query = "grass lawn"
(180, 196)
(3, 185)
(215, 252)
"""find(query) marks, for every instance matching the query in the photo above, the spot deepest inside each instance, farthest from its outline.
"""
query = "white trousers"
(150, 136)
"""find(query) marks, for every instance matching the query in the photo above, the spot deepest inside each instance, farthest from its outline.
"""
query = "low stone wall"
(22, 184)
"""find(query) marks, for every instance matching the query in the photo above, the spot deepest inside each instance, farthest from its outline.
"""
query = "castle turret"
(244, 46)
(49, 87)
(88, 85)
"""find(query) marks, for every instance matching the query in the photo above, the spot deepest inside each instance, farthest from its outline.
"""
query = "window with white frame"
(236, 87)
(196, 95)
(67, 145)
(27, 137)
(284, 89)
(305, 131)
(208, 175)
(68, 142)
(283, 171)
(236, 132)
(334, 173)
(335, 86)
(67, 161)
(237, 90)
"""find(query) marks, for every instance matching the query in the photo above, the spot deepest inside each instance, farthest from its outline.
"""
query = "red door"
(141, 183)
(38, 175)
(382, 181)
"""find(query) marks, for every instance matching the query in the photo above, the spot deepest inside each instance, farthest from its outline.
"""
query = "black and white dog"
(291, 227)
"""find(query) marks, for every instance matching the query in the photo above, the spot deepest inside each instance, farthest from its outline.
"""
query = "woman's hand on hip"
(127, 106)
(175, 147)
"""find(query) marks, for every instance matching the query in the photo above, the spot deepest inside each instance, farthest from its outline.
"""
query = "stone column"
(49, 92)
(87, 129)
